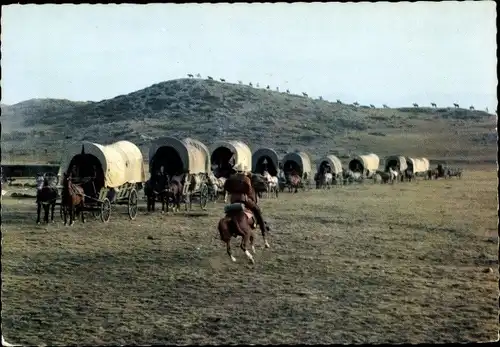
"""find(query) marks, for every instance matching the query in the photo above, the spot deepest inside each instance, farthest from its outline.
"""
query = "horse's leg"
(252, 239)
(38, 210)
(46, 210)
(82, 208)
(225, 235)
(162, 198)
(53, 207)
(72, 215)
(65, 213)
(246, 242)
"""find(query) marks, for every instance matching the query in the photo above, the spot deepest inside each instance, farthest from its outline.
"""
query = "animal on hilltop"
(46, 196)
(415, 104)
(433, 104)
(456, 105)
(72, 200)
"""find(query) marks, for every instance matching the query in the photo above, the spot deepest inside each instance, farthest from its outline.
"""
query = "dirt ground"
(404, 263)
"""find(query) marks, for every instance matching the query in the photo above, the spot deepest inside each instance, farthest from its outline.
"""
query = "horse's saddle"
(239, 207)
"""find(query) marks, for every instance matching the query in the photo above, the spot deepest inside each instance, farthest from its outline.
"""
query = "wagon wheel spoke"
(132, 204)
(105, 210)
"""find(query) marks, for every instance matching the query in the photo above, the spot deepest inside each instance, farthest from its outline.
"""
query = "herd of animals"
(240, 190)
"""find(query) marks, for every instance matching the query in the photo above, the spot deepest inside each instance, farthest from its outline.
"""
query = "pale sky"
(373, 53)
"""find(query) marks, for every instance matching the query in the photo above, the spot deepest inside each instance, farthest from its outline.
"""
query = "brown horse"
(156, 188)
(46, 196)
(174, 193)
(73, 198)
(240, 220)
(294, 183)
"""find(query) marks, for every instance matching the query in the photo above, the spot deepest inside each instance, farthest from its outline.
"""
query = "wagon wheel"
(105, 210)
(203, 196)
(132, 204)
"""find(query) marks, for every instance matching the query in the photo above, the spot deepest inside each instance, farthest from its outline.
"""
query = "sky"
(372, 53)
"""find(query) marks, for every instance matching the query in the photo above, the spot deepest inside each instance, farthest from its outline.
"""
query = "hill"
(38, 129)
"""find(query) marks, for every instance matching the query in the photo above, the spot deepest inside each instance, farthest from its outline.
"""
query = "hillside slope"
(207, 110)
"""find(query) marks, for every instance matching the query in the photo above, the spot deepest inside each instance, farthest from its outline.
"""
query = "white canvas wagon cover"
(241, 151)
(121, 161)
(399, 160)
(334, 162)
(204, 149)
(418, 164)
(192, 155)
(301, 159)
(368, 161)
(265, 152)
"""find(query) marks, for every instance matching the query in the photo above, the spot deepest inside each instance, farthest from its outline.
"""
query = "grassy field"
(405, 263)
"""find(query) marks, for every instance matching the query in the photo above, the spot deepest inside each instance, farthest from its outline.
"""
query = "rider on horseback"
(239, 186)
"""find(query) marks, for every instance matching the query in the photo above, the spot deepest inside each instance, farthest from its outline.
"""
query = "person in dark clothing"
(239, 186)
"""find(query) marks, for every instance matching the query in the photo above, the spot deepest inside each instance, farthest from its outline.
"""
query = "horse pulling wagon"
(186, 162)
(328, 172)
(366, 165)
(297, 164)
(266, 162)
(107, 174)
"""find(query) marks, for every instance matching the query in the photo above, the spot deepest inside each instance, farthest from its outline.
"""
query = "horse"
(350, 176)
(73, 198)
(293, 181)
(217, 184)
(453, 173)
(326, 180)
(156, 188)
(46, 196)
(385, 176)
(174, 191)
(239, 221)
(272, 183)
(393, 173)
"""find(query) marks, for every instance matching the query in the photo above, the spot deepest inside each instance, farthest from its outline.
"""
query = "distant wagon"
(397, 162)
(265, 159)
(108, 174)
(365, 164)
(300, 163)
(418, 166)
(330, 164)
(187, 158)
(226, 154)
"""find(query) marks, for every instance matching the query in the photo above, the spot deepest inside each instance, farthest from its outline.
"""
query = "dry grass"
(358, 264)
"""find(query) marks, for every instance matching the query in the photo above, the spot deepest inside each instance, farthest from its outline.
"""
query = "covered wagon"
(329, 164)
(396, 162)
(300, 163)
(229, 154)
(418, 166)
(186, 160)
(365, 164)
(265, 159)
(107, 173)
